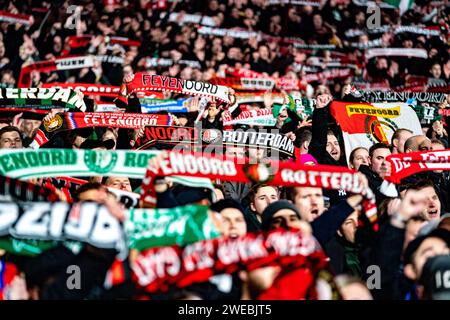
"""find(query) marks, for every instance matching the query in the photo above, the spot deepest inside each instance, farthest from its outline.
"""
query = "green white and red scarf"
(40, 98)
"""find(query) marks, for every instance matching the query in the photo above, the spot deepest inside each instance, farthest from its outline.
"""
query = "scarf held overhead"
(148, 228)
(76, 120)
(404, 165)
(41, 98)
(45, 163)
(144, 82)
(158, 269)
(278, 173)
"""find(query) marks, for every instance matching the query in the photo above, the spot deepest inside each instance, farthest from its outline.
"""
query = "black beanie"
(226, 203)
(273, 208)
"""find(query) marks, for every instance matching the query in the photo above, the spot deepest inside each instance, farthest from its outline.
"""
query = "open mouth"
(315, 212)
(233, 235)
(433, 214)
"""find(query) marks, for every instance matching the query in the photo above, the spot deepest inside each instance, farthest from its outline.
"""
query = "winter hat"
(307, 158)
(273, 208)
(226, 203)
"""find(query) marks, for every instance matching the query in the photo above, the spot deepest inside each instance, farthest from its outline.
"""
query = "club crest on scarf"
(211, 135)
(100, 161)
(259, 172)
(53, 124)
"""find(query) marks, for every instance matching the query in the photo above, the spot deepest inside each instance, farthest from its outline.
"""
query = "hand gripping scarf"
(75, 120)
(406, 164)
(277, 173)
(158, 269)
(144, 82)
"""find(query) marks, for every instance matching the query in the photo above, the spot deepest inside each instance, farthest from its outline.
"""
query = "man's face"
(430, 247)
(361, 157)
(256, 154)
(436, 71)
(264, 197)
(234, 225)
(403, 136)
(310, 203)
(433, 208)
(348, 228)
(420, 143)
(29, 126)
(10, 140)
(333, 147)
(378, 156)
(121, 183)
(285, 218)
(424, 144)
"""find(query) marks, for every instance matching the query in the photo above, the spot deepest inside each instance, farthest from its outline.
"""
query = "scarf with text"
(9, 17)
(87, 222)
(62, 63)
(16, 190)
(407, 164)
(65, 183)
(259, 117)
(160, 268)
(287, 174)
(41, 98)
(247, 80)
(145, 82)
(83, 41)
(149, 228)
(392, 96)
(162, 62)
(47, 163)
(209, 138)
(429, 31)
(21, 225)
(182, 18)
(87, 89)
(76, 120)
(169, 105)
(398, 52)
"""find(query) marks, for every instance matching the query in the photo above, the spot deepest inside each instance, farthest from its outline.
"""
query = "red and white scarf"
(261, 117)
(287, 174)
(158, 269)
(398, 52)
(9, 17)
(407, 164)
(144, 82)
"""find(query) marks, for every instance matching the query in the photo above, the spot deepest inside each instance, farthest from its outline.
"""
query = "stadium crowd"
(290, 64)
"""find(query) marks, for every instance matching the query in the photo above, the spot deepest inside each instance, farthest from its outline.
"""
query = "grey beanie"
(273, 208)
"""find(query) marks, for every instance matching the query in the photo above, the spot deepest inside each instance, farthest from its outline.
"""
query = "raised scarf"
(287, 174)
(407, 164)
